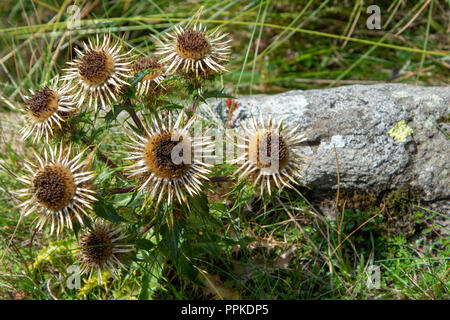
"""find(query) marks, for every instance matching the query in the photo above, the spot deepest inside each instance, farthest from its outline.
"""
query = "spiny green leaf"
(144, 244)
(108, 212)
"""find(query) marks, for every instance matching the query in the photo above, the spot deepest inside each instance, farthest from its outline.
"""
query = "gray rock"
(356, 120)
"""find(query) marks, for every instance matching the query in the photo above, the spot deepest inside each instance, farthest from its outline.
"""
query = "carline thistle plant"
(166, 171)
(46, 110)
(57, 188)
(104, 248)
(165, 166)
(271, 154)
(151, 83)
(193, 51)
(99, 72)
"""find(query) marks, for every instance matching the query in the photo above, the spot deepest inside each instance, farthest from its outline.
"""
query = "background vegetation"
(234, 245)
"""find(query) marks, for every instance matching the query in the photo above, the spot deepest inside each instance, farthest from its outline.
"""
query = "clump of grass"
(400, 217)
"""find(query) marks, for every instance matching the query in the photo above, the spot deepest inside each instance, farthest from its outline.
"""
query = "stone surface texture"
(357, 120)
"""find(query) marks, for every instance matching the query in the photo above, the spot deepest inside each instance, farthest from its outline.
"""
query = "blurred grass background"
(277, 45)
(279, 250)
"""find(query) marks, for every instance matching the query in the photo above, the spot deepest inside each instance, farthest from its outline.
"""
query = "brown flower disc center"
(54, 187)
(97, 248)
(96, 67)
(43, 104)
(143, 63)
(159, 159)
(260, 150)
(192, 44)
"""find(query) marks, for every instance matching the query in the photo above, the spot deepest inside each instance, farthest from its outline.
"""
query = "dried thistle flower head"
(102, 249)
(98, 74)
(169, 160)
(46, 109)
(194, 51)
(271, 154)
(152, 80)
(57, 189)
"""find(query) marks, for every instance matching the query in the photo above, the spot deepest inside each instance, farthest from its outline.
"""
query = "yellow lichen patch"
(400, 131)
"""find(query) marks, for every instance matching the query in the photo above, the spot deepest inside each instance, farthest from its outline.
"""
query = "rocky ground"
(386, 136)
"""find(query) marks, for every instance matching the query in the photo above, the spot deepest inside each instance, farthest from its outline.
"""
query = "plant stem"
(122, 190)
(219, 179)
(146, 228)
(101, 156)
(134, 116)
